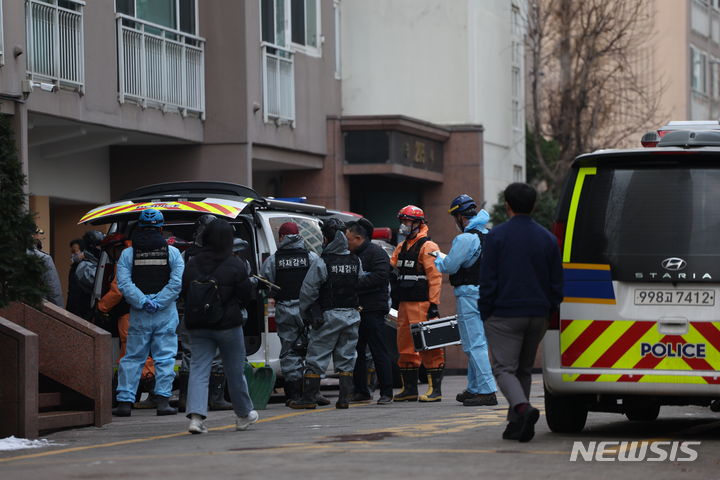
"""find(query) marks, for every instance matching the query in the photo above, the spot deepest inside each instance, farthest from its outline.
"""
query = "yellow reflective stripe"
(601, 344)
(572, 332)
(605, 301)
(586, 266)
(582, 173)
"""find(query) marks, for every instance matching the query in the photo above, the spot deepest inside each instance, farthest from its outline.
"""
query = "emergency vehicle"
(256, 219)
(639, 234)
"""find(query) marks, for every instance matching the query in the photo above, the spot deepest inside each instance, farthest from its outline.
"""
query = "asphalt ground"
(398, 441)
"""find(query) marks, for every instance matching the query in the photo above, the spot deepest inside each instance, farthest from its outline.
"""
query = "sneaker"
(197, 424)
(480, 399)
(384, 400)
(360, 397)
(242, 423)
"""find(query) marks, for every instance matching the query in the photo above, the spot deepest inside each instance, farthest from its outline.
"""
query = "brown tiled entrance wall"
(462, 173)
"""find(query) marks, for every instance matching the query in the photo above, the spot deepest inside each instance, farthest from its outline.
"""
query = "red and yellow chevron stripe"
(638, 345)
(229, 209)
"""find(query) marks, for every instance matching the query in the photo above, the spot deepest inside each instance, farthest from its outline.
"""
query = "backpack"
(203, 305)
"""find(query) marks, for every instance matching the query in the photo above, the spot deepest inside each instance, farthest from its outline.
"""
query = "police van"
(254, 218)
(639, 233)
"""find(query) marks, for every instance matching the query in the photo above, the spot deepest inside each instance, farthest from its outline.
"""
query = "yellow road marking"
(155, 437)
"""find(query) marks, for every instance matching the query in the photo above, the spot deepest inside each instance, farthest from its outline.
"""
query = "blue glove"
(150, 306)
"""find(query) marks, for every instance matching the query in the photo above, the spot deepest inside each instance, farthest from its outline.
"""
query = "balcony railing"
(55, 42)
(160, 67)
(278, 84)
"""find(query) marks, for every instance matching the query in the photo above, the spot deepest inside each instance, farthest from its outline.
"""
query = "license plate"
(703, 298)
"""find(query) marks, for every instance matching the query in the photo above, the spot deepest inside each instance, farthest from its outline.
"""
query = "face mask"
(405, 230)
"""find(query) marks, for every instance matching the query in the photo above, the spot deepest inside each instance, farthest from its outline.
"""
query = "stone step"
(64, 419)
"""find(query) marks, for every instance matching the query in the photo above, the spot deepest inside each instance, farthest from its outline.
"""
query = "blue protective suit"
(290, 325)
(338, 335)
(149, 333)
(465, 250)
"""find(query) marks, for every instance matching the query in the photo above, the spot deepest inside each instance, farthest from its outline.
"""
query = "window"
(292, 21)
(518, 173)
(174, 14)
(309, 231)
(516, 52)
(338, 44)
(698, 70)
(714, 89)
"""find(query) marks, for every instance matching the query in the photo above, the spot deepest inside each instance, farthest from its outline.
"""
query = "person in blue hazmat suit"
(463, 265)
(287, 268)
(149, 275)
(332, 282)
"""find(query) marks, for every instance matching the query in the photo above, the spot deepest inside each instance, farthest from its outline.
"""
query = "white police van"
(639, 327)
(255, 219)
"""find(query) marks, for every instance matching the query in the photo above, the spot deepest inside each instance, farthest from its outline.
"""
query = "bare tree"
(591, 81)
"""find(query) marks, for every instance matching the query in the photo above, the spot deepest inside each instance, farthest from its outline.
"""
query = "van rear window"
(635, 218)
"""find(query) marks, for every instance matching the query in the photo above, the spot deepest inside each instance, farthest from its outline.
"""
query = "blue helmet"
(151, 218)
(462, 204)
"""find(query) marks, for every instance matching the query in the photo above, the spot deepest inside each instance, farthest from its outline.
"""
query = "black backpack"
(203, 305)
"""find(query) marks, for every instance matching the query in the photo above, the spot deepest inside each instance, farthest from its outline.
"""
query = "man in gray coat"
(50, 275)
(287, 268)
(332, 282)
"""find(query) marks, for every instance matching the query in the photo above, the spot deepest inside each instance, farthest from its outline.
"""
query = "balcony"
(55, 42)
(160, 67)
(278, 84)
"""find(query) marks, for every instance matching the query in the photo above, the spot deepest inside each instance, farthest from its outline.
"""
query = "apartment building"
(363, 105)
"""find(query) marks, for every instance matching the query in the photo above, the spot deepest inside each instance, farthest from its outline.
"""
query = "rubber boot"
(409, 392)
(216, 398)
(163, 406)
(124, 409)
(321, 399)
(434, 393)
(293, 390)
(311, 386)
(346, 388)
(147, 384)
(183, 378)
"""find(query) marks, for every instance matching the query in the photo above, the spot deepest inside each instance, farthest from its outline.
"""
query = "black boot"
(147, 384)
(434, 393)
(124, 409)
(311, 386)
(321, 399)
(163, 406)
(346, 388)
(183, 378)
(293, 390)
(217, 393)
(409, 392)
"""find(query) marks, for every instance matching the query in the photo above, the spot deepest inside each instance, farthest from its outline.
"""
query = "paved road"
(399, 441)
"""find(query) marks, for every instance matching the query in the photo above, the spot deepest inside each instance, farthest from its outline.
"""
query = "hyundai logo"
(674, 264)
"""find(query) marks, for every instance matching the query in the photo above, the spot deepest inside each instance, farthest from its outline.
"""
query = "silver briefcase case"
(437, 333)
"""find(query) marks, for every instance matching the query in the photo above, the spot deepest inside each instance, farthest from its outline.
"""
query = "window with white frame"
(714, 89)
(292, 22)
(174, 14)
(518, 173)
(698, 70)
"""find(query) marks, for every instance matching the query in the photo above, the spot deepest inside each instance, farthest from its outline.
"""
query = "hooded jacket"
(231, 273)
(464, 252)
(288, 242)
(317, 275)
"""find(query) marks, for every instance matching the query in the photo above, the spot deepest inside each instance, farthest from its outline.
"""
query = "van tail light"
(650, 139)
(272, 326)
(554, 320)
(558, 229)
(661, 133)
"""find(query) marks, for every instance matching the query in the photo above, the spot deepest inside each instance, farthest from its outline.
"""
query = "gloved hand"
(150, 306)
(101, 319)
(433, 312)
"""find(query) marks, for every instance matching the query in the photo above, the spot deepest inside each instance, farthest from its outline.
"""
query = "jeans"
(232, 350)
(372, 334)
(472, 333)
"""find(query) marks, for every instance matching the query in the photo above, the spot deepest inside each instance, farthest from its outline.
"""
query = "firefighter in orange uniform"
(418, 296)
(114, 306)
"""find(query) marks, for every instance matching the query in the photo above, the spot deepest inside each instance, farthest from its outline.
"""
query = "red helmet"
(411, 212)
